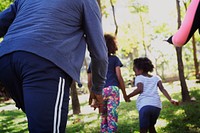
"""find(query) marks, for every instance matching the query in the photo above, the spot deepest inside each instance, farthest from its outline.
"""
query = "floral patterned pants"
(111, 99)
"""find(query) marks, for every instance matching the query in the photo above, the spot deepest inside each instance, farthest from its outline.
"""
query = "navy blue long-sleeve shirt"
(57, 30)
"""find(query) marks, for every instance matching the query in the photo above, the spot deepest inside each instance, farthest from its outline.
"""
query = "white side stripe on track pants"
(58, 105)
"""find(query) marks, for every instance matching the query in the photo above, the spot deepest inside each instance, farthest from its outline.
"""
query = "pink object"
(181, 36)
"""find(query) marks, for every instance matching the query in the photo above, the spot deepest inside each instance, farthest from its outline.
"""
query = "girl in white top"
(148, 102)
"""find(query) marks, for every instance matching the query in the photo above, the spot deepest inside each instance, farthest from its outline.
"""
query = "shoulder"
(157, 78)
(139, 78)
(113, 57)
(115, 60)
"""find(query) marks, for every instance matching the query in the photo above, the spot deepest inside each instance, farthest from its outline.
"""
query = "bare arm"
(89, 81)
(162, 89)
(121, 82)
(138, 90)
(166, 94)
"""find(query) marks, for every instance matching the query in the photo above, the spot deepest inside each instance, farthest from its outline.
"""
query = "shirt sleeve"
(158, 78)
(138, 79)
(96, 44)
(7, 17)
(89, 69)
(118, 62)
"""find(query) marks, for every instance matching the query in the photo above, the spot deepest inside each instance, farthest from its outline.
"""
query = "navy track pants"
(39, 88)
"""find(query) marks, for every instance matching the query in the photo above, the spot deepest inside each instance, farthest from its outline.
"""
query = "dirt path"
(86, 109)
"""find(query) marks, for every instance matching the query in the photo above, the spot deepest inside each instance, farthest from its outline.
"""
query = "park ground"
(184, 118)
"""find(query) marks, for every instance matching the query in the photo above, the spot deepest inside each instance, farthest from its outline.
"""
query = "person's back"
(149, 95)
(56, 27)
(111, 94)
(47, 21)
(43, 48)
(148, 101)
(111, 77)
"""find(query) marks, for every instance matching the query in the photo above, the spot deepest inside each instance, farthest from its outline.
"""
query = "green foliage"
(138, 7)
(4, 4)
(13, 122)
(140, 34)
(173, 119)
(184, 118)
(105, 4)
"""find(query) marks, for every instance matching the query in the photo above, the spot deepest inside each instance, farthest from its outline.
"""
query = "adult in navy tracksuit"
(43, 48)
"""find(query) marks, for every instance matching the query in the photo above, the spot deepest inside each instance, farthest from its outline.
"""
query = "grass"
(13, 122)
(173, 119)
(184, 118)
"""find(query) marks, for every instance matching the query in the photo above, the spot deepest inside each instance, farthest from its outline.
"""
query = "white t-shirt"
(150, 95)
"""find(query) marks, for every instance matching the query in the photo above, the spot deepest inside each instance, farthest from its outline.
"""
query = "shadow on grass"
(3, 103)
(184, 118)
(128, 121)
(90, 123)
(83, 124)
(179, 119)
(81, 104)
(13, 122)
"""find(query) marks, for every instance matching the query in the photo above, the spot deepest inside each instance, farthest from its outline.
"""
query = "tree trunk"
(143, 36)
(196, 63)
(114, 17)
(184, 89)
(156, 66)
(75, 101)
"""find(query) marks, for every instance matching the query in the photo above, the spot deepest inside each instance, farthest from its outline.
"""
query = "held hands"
(96, 101)
(127, 99)
(175, 102)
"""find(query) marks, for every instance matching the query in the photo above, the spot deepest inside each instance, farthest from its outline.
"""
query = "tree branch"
(114, 16)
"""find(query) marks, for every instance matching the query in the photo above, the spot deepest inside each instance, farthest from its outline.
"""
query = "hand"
(127, 99)
(99, 98)
(91, 97)
(175, 102)
(97, 102)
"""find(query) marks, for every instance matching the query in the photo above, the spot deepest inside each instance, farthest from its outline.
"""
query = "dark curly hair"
(143, 63)
(111, 44)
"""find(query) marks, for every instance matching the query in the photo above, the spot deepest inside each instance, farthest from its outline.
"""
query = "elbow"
(101, 61)
(100, 58)
(140, 91)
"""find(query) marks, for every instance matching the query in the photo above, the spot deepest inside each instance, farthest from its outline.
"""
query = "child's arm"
(89, 81)
(121, 83)
(138, 90)
(166, 94)
(89, 84)
(94, 100)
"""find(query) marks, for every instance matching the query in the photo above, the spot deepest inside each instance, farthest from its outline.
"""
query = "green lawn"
(173, 119)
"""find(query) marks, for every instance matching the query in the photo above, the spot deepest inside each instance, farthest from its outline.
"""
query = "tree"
(4, 4)
(141, 10)
(114, 17)
(75, 101)
(196, 63)
(184, 89)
